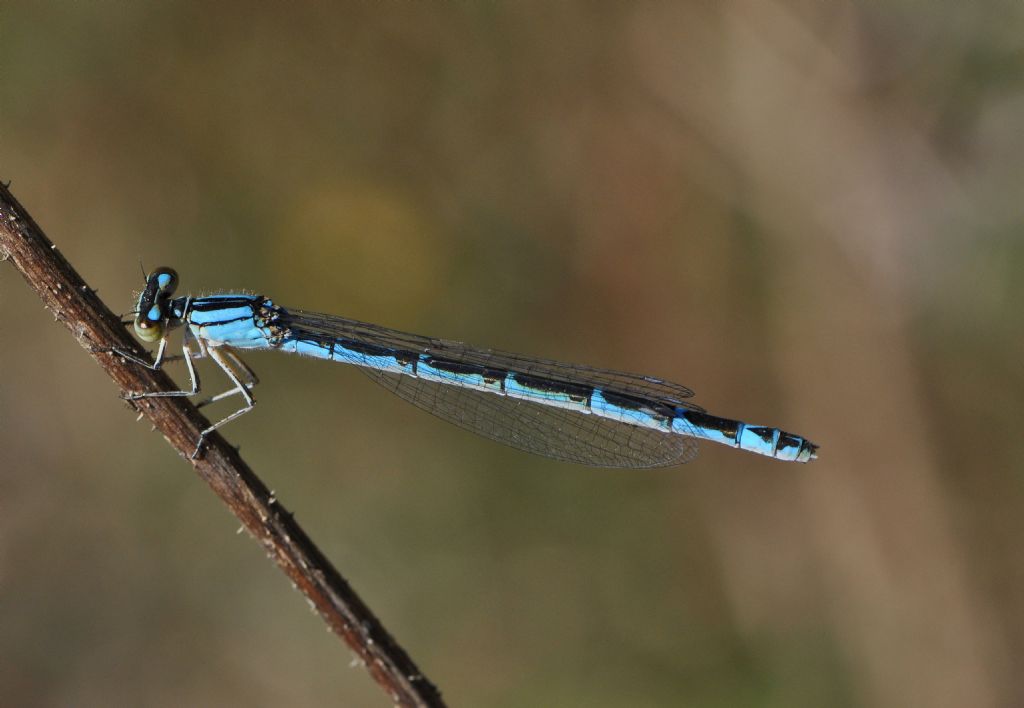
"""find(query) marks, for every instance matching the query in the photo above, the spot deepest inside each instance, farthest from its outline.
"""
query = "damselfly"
(565, 411)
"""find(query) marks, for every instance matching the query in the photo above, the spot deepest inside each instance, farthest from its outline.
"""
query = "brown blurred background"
(807, 211)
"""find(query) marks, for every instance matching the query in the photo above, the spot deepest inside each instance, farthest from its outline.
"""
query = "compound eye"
(153, 304)
(149, 326)
(166, 280)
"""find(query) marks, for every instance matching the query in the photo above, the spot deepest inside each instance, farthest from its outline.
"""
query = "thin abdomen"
(771, 442)
(666, 416)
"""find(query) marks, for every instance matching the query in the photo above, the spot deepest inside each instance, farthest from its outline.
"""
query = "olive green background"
(809, 212)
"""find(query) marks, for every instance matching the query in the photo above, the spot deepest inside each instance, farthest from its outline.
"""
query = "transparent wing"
(559, 433)
(543, 430)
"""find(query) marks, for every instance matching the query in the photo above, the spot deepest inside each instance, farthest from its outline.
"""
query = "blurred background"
(808, 212)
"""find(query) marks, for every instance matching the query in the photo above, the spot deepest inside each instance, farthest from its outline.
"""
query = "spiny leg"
(155, 366)
(240, 387)
(243, 370)
(187, 354)
(157, 363)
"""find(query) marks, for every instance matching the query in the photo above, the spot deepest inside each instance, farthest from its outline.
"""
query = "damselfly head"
(153, 309)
